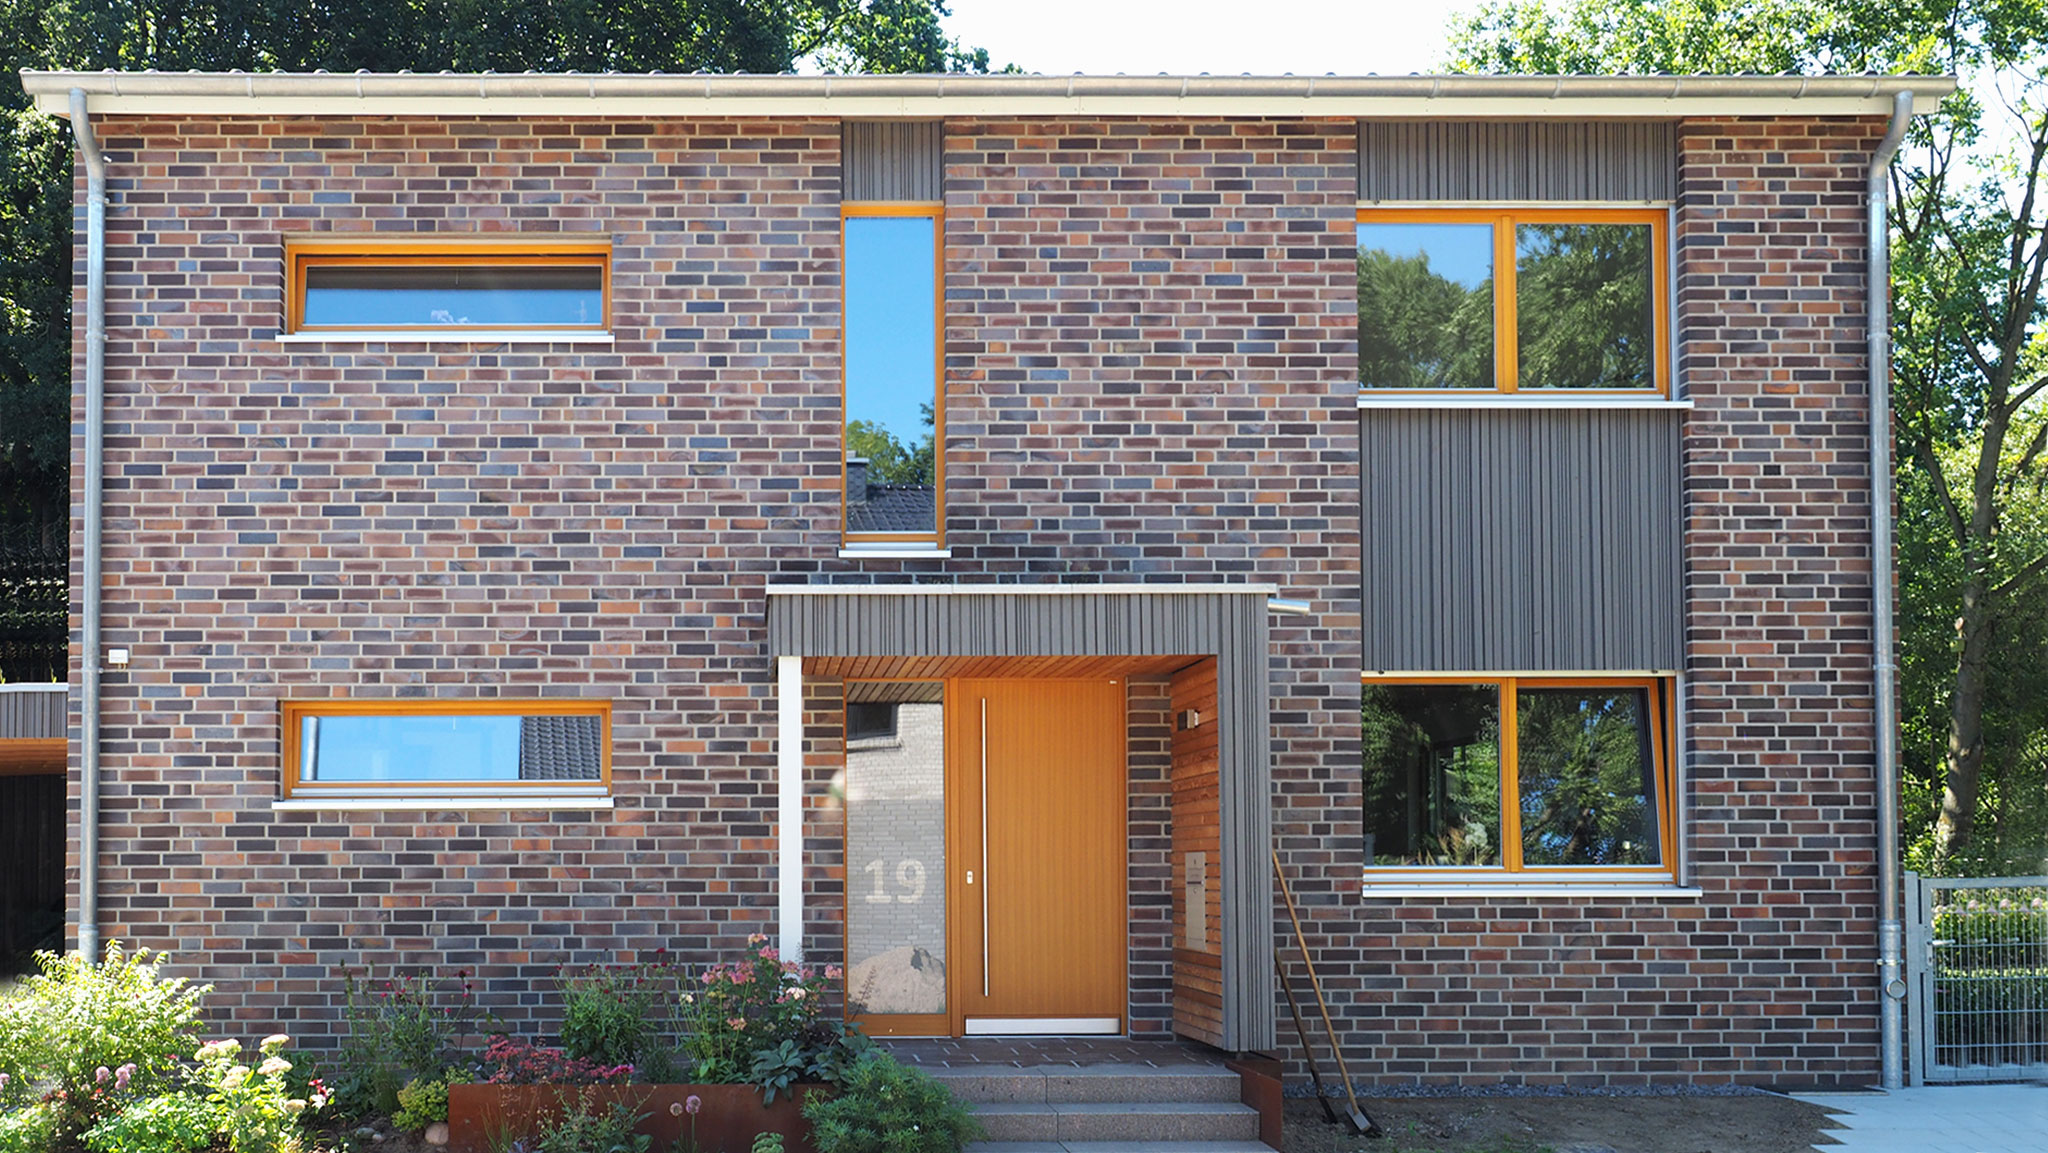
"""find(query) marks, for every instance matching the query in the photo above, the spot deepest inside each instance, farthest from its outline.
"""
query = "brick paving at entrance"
(1031, 1052)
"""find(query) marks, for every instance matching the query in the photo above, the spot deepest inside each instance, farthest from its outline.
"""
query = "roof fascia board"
(1406, 97)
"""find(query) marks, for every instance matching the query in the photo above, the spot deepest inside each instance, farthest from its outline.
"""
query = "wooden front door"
(1036, 816)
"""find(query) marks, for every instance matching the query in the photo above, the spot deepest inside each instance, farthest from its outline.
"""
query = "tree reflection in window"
(1584, 313)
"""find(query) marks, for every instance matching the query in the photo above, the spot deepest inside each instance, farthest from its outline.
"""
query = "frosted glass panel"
(895, 848)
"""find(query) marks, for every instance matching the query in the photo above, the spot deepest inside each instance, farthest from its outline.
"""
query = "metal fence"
(1977, 978)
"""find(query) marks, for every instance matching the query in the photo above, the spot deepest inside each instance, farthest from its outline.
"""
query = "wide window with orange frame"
(535, 285)
(1514, 300)
(1479, 777)
(360, 749)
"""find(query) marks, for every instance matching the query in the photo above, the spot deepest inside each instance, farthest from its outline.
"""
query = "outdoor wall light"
(117, 658)
(1288, 605)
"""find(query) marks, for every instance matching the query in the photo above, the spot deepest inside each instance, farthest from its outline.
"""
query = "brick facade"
(1149, 378)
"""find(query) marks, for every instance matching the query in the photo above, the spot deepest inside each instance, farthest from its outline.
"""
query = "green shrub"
(610, 1012)
(422, 1102)
(78, 1041)
(400, 1029)
(884, 1106)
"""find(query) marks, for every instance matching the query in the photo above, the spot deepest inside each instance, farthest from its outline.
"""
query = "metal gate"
(1977, 978)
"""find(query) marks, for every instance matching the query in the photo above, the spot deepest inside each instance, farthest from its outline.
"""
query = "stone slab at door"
(1036, 795)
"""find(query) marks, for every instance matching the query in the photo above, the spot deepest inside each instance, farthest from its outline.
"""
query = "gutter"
(1890, 932)
(95, 436)
(881, 96)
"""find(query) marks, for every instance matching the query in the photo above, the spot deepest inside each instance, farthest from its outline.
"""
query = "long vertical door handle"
(984, 847)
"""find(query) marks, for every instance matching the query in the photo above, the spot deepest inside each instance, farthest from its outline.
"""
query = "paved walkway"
(1939, 1119)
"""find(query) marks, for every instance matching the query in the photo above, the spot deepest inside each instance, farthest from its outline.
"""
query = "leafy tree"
(1971, 355)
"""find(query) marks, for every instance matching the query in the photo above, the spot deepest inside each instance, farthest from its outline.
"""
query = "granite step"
(1118, 1121)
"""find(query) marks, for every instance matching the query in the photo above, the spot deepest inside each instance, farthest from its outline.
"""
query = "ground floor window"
(357, 748)
(1478, 776)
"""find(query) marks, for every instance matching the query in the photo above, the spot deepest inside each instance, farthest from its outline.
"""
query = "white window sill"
(1544, 889)
(436, 804)
(1366, 399)
(429, 336)
(895, 553)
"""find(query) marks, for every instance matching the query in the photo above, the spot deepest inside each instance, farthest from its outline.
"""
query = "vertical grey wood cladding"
(1522, 160)
(32, 712)
(892, 160)
(1230, 626)
(1520, 539)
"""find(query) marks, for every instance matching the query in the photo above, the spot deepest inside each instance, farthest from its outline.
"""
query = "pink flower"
(101, 1075)
(833, 972)
(735, 1022)
(675, 1109)
(768, 953)
(692, 1104)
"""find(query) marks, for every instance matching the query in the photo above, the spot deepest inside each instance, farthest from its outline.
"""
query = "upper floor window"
(1476, 776)
(1513, 300)
(359, 749)
(437, 288)
(895, 419)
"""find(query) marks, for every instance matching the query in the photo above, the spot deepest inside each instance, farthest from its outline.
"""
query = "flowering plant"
(760, 1020)
(517, 1061)
(225, 1105)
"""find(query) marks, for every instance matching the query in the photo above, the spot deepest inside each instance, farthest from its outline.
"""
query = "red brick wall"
(1770, 976)
(1150, 363)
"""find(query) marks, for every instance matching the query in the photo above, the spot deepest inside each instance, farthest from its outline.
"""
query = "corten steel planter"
(486, 1118)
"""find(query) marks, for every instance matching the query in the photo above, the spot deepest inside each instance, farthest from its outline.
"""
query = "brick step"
(1118, 1121)
(1053, 1084)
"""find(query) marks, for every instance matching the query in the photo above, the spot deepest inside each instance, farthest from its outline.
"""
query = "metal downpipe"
(95, 435)
(1890, 932)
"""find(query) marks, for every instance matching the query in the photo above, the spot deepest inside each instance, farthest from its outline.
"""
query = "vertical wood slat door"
(1040, 932)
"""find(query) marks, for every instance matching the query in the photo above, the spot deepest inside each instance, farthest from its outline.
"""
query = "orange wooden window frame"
(936, 213)
(1506, 363)
(398, 254)
(1663, 749)
(294, 712)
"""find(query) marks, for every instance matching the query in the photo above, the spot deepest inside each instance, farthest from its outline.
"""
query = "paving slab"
(1938, 1119)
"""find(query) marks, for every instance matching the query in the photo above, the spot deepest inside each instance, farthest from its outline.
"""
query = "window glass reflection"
(1432, 774)
(1585, 316)
(892, 376)
(487, 296)
(1587, 777)
(1425, 305)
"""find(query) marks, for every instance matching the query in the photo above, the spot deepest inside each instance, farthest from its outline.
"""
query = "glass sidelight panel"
(895, 847)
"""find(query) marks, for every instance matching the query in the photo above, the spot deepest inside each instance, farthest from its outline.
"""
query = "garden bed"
(727, 1118)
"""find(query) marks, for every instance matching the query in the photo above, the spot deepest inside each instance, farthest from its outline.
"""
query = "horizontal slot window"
(467, 748)
(449, 290)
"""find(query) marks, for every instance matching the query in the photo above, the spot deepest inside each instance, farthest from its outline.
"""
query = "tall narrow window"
(895, 420)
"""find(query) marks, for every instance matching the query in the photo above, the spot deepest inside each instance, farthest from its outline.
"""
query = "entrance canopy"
(903, 631)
